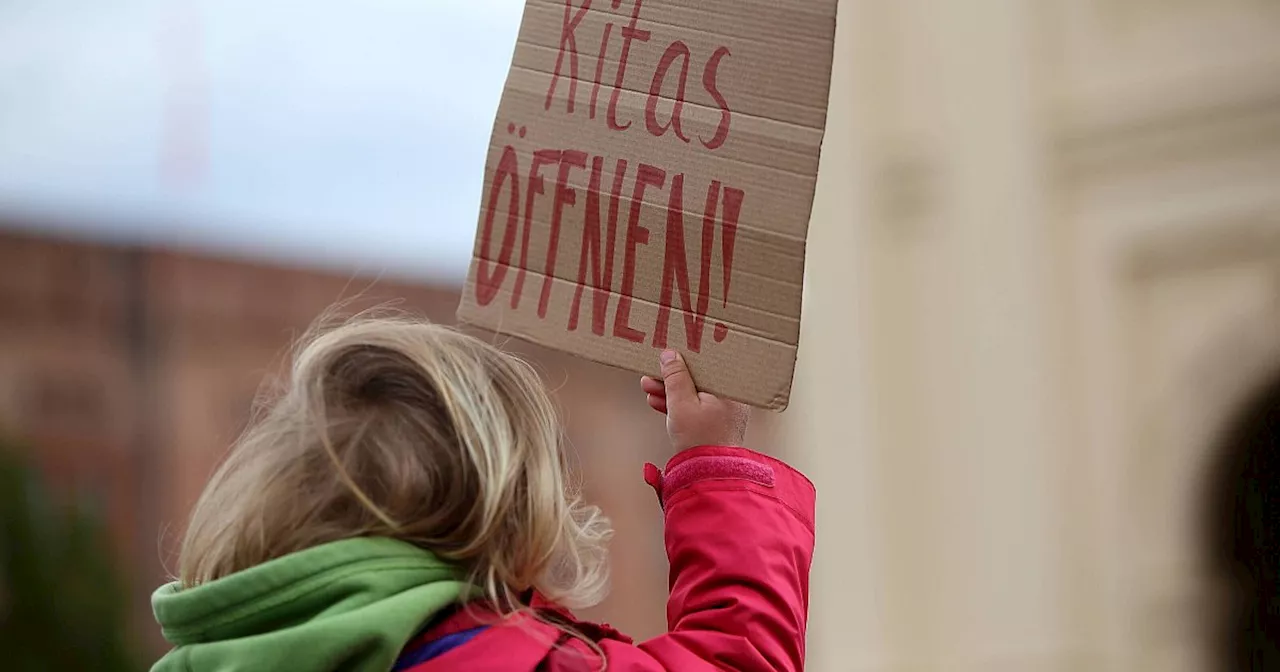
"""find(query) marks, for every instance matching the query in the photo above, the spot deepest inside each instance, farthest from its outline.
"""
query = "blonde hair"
(395, 427)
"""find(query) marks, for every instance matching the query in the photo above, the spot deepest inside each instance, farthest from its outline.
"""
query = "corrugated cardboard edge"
(778, 403)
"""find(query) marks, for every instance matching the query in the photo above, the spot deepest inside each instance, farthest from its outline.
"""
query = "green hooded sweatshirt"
(349, 605)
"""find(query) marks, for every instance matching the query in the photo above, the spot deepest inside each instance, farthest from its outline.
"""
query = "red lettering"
(604, 49)
(489, 279)
(601, 282)
(542, 157)
(569, 160)
(636, 235)
(629, 33)
(568, 41)
(601, 298)
(709, 82)
(590, 242)
(675, 270)
(676, 50)
(729, 223)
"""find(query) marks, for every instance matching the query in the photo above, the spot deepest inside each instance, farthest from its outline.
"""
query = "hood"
(349, 605)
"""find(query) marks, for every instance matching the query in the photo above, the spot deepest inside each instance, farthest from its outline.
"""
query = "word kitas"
(677, 53)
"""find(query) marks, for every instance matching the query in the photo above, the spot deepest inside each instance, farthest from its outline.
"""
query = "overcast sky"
(345, 133)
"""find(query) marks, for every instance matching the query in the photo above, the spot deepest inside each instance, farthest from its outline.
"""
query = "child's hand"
(693, 418)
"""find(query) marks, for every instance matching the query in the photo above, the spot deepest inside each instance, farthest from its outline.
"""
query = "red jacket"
(739, 537)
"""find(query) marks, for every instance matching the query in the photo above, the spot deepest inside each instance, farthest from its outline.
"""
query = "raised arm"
(739, 530)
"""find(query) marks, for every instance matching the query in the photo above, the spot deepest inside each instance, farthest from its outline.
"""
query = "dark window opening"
(1243, 534)
(65, 405)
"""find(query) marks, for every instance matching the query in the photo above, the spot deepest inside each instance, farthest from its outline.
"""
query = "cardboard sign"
(649, 185)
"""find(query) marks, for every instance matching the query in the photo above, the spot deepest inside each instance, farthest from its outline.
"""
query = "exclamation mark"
(729, 227)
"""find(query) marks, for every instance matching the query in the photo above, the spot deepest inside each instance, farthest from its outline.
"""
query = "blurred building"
(1039, 363)
(1044, 281)
(128, 372)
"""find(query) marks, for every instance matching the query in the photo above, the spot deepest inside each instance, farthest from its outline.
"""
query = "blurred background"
(1039, 385)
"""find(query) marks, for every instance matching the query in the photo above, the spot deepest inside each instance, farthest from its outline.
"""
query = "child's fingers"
(676, 378)
(655, 393)
(653, 386)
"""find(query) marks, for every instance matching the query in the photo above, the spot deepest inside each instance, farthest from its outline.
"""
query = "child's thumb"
(676, 378)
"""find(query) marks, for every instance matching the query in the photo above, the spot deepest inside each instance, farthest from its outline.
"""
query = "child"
(403, 505)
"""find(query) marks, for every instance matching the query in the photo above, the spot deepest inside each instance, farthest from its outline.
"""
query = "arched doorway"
(1242, 528)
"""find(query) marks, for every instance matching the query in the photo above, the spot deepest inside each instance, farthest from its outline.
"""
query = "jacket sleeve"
(739, 536)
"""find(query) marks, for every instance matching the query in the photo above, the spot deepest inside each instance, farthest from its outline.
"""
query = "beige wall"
(1042, 270)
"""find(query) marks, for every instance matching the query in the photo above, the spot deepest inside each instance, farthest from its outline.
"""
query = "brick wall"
(130, 372)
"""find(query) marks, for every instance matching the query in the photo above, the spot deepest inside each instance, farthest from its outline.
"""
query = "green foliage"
(62, 605)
